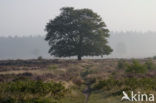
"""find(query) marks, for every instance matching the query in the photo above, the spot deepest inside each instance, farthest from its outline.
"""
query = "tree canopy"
(77, 32)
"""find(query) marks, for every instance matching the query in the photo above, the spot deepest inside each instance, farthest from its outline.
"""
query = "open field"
(92, 81)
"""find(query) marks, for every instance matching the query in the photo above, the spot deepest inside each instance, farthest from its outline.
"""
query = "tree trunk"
(79, 57)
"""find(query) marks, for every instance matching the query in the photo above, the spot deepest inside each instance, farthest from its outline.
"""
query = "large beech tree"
(77, 32)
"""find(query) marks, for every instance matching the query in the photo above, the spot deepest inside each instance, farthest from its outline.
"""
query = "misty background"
(125, 45)
(29, 17)
(22, 24)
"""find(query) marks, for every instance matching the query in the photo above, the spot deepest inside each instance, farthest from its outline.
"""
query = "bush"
(28, 91)
(136, 67)
(107, 84)
(127, 84)
(149, 64)
(121, 64)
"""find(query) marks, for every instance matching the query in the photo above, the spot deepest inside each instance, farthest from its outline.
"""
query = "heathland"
(71, 81)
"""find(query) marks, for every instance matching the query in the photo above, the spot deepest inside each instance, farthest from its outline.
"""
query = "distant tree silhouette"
(77, 32)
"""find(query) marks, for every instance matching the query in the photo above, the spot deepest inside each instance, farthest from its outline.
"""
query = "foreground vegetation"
(29, 91)
(69, 81)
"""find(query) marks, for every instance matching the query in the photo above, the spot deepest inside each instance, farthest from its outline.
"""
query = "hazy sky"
(29, 17)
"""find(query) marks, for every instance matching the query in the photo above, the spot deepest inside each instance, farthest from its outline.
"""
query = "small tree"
(77, 32)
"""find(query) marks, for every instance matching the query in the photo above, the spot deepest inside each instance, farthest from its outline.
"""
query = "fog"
(124, 44)
(28, 18)
(133, 44)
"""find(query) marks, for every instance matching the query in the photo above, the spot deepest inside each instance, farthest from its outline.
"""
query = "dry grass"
(65, 70)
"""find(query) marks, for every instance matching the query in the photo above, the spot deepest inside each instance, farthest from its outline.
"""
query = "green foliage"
(127, 84)
(107, 84)
(136, 67)
(149, 64)
(31, 92)
(121, 64)
(77, 32)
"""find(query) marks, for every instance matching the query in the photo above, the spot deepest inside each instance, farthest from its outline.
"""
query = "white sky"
(29, 17)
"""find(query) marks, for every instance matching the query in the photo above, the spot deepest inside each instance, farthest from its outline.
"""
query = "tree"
(77, 32)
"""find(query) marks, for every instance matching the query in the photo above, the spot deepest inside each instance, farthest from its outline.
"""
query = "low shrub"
(127, 84)
(149, 64)
(136, 67)
(121, 64)
(24, 91)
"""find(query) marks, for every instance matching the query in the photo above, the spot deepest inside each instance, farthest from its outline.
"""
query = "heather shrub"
(136, 67)
(29, 91)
